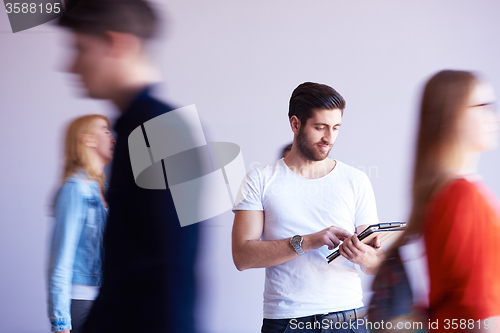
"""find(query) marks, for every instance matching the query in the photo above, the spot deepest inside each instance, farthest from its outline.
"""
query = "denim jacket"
(77, 245)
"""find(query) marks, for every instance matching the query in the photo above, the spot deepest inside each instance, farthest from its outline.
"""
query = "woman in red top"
(455, 211)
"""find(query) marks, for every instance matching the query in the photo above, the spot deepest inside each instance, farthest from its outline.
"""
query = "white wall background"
(238, 61)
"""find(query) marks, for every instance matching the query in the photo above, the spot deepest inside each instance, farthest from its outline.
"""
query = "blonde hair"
(76, 156)
(445, 98)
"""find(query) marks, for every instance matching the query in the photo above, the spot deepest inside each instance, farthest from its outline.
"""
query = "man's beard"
(309, 150)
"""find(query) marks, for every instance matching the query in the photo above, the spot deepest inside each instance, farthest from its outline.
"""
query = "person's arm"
(366, 256)
(69, 221)
(462, 244)
(251, 252)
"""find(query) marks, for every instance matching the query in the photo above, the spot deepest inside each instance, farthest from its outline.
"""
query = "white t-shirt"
(294, 205)
(81, 292)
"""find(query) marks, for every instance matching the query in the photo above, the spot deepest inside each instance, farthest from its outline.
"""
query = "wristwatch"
(296, 242)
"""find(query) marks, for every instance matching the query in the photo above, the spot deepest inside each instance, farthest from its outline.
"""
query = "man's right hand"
(331, 236)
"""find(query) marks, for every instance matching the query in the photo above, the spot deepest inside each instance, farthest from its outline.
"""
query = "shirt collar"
(131, 109)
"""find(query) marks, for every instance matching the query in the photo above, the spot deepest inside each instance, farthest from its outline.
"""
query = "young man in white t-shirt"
(291, 214)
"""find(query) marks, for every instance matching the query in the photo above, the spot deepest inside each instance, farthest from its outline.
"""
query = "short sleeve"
(366, 208)
(249, 196)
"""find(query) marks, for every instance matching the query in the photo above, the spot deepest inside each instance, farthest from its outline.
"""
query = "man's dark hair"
(95, 17)
(309, 96)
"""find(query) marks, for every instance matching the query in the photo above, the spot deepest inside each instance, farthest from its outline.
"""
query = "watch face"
(296, 240)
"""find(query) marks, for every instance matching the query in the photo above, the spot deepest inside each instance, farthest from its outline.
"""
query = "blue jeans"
(331, 323)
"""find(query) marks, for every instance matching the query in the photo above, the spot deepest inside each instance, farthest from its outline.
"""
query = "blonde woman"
(453, 209)
(75, 272)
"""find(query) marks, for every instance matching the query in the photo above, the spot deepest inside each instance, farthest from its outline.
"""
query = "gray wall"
(238, 61)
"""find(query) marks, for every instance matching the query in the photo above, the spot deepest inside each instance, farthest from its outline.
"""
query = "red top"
(462, 239)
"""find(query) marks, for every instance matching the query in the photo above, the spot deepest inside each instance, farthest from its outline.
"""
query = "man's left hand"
(359, 253)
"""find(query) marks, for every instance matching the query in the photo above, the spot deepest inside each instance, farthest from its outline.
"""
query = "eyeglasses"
(491, 106)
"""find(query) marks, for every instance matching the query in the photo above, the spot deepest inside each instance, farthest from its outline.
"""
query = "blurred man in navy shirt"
(149, 280)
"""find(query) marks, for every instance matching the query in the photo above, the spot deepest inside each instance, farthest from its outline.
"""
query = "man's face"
(92, 64)
(317, 136)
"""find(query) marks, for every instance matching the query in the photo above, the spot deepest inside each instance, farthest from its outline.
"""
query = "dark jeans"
(79, 312)
(314, 324)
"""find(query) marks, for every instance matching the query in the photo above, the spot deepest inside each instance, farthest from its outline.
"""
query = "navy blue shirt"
(148, 274)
